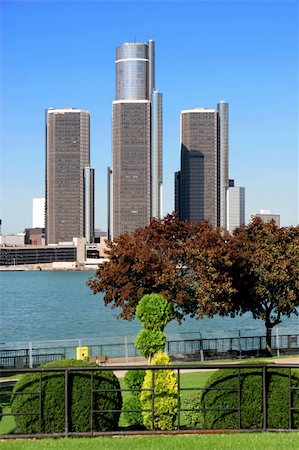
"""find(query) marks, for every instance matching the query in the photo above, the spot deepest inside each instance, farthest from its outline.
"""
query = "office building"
(135, 178)
(201, 184)
(69, 179)
(38, 212)
(88, 204)
(266, 216)
(235, 206)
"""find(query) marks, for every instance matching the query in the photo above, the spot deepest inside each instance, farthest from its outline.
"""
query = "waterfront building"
(35, 236)
(38, 212)
(266, 216)
(135, 178)
(235, 206)
(69, 179)
(202, 182)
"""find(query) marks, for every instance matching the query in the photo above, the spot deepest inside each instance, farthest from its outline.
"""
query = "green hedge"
(132, 411)
(221, 392)
(132, 405)
(26, 400)
(134, 380)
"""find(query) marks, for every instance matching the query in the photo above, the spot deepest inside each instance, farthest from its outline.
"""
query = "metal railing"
(179, 426)
(36, 353)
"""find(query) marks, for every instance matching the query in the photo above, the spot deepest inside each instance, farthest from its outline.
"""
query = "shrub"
(154, 312)
(165, 395)
(221, 392)
(26, 399)
(132, 411)
(149, 342)
(194, 417)
(134, 380)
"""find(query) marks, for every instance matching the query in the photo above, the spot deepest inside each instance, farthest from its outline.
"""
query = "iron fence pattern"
(6, 391)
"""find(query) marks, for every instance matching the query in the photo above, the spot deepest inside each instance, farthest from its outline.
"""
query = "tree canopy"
(203, 271)
(180, 261)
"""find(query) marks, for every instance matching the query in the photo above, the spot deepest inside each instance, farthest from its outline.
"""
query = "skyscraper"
(69, 179)
(201, 184)
(235, 206)
(135, 185)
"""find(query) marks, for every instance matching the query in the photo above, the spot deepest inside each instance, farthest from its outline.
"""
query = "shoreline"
(49, 267)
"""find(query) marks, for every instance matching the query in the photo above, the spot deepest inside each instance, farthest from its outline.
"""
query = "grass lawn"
(236, 441)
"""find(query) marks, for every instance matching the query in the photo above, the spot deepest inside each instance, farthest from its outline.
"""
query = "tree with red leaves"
(170, 257)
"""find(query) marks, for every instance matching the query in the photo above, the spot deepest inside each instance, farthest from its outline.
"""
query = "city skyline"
(227, 51)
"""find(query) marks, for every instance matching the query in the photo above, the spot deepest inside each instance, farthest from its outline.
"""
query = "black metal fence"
(34, 355)
(291, 401)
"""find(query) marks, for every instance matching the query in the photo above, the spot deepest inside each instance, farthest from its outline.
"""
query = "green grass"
(236, 441)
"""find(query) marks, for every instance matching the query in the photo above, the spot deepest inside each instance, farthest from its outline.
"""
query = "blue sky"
(57, 54)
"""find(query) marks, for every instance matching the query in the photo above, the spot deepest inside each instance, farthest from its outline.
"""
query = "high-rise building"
(69, 179)
(202, 182)
(135, 178)
(267, 216)
(38, 212)
(235, 206)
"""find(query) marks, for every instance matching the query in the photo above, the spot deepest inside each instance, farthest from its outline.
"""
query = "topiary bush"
(165, 395)
(194, 417)
(134, 380)
(132, 406)
(221, 392)
(132, 411)
(149, 342)
(25, 399)
(154, 312)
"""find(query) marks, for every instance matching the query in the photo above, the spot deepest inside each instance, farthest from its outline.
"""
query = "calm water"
(59, 305)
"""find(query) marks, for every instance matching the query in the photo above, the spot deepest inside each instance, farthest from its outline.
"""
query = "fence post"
(265, 398)
(126, 349)
(153, 399)
(277, 343)
(30, 355)
(240, 347)
(66, 403)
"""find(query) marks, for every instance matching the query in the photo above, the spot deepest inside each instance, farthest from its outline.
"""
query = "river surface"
(38, 306)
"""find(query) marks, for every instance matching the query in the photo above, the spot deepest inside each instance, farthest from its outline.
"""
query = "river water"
(58, 305)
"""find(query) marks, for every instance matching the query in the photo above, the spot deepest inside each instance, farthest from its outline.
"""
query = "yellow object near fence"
(82, 352)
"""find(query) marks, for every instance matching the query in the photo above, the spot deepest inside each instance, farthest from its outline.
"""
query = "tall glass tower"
(135, 178)
(202, 183)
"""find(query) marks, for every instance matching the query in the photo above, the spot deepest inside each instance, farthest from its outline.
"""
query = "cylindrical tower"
(132, 67)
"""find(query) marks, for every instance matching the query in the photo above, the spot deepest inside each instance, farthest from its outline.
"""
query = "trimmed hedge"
(132, 405)
(26, 400)
(194, 417)
(221, 392)
(134, 380)
(132, 411)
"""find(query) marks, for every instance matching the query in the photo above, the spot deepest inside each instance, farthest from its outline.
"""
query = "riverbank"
(49, 267)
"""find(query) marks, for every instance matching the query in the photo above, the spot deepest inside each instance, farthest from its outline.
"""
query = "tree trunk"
(268, 340)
